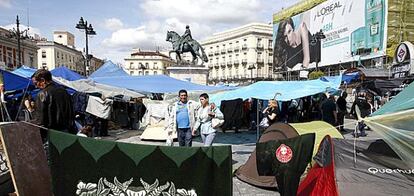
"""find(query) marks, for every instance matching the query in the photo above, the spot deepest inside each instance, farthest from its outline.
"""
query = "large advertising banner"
(334, 32)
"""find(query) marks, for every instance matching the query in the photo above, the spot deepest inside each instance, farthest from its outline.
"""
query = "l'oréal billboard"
(352, 30)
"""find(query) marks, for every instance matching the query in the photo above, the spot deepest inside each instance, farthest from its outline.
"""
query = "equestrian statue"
(186, 43)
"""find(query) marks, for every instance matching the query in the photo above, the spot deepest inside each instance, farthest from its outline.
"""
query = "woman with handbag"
(209, 118)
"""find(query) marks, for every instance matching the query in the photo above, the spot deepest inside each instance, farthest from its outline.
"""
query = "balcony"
(244, 47)
(229, 63)
(216, 65)
(236, 62)
(210, 54)
(259, 46)
(210, 65)
(270, 47)
(236, 49)
(217, 52)
(244, 61)
(230, 49)
(223, 51)
(223, 65)
(260, 61)
(269, 61)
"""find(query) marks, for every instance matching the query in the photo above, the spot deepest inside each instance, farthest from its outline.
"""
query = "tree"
(316, 75)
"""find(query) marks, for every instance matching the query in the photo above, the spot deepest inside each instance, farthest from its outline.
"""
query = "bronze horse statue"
(191, 46)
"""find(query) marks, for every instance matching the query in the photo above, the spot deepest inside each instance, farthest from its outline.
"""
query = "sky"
(126, 24)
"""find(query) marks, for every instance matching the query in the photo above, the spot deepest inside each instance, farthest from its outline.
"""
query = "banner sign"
(333, 32)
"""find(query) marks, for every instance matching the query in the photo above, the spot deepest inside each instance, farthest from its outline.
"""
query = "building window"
(43, 54)
(140, 73)
(59, 36)
(147, 67)
(146, 72)
(155, 72)
(9, 58)
(1, 55)
(131, 73)
(57, 55)
(131, 64)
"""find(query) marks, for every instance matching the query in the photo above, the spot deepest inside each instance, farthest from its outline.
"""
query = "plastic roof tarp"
(109, 69)
(394, 123)
(89, 86)
(155, 84)
(25, 71)
(67, 74)
(285, 90)
(403, 101)
(14, 82)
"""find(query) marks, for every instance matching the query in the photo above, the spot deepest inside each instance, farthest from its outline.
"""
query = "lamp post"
(83, 25)
(251, 67)
(19, 36)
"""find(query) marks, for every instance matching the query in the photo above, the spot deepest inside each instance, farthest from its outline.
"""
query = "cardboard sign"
(26, 158)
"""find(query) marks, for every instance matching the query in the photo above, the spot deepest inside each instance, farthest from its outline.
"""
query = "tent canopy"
(25, 71)
(66, 74)
(403, 101)
(154, 84)
(13, 81)
(285, 90)
(89, 86)
(109, 69)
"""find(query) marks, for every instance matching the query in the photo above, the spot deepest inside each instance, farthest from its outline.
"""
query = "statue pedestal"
(190, 72)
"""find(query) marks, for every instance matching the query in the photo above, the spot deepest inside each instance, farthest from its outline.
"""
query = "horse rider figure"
(186, 38)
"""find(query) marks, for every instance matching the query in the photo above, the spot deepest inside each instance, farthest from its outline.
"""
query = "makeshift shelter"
(25, 71)
(67, 74)
(279, 131)
(364, 168)
(13, 81)
(109, 69)
(89, 86)
(286, 90)
(154, 84)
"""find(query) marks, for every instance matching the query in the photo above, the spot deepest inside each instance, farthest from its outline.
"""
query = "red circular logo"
(284, 153)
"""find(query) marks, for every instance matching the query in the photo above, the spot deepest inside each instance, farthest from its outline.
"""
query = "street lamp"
(83, 25)
(19, 36)
(251, 67)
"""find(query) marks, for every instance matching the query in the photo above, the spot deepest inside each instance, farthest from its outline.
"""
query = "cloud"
(32, 31)
(113, 24)
(5, 3)
(204, 11)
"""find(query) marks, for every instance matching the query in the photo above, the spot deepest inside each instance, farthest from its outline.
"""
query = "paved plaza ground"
(242, 143)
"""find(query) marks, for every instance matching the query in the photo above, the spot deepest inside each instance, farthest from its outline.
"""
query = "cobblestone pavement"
(242, 143)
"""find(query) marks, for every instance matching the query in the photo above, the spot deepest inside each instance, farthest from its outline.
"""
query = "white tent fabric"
(89, 86)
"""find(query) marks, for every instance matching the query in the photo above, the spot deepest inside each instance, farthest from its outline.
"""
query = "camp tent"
(109, 69)
(370, 167)
(25, 71)
(279, 131)
(285, 90)
(65, 73)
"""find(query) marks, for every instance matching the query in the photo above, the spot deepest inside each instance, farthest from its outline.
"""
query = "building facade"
(9, 51)
(240, 55)
(147, 63)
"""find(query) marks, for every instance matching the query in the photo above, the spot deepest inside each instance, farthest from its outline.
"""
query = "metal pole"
(87, 55)
(19, 63)
(257, 120)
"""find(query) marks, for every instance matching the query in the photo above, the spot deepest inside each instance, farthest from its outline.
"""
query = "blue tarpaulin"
(285, 90)
(66, 74)
(109, 69)
(25, 71)
(155, 84)
(349, 77)
(14, 82)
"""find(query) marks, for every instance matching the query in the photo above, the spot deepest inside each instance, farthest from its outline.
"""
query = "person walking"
(182, 118)
(205, 114)
(342, 111)
(328, 109)
(53, 103)
(364, 109)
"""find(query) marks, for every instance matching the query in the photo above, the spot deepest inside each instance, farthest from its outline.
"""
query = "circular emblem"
(284, 153)
(401, 53)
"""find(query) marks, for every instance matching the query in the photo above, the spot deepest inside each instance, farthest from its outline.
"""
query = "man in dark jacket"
(53, 104)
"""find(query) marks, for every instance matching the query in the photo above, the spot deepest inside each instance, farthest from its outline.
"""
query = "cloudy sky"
(126, 24)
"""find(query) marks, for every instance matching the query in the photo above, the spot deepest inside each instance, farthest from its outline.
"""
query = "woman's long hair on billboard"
(280, 54)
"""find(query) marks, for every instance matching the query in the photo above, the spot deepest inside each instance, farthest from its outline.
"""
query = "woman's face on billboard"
(290, 36)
